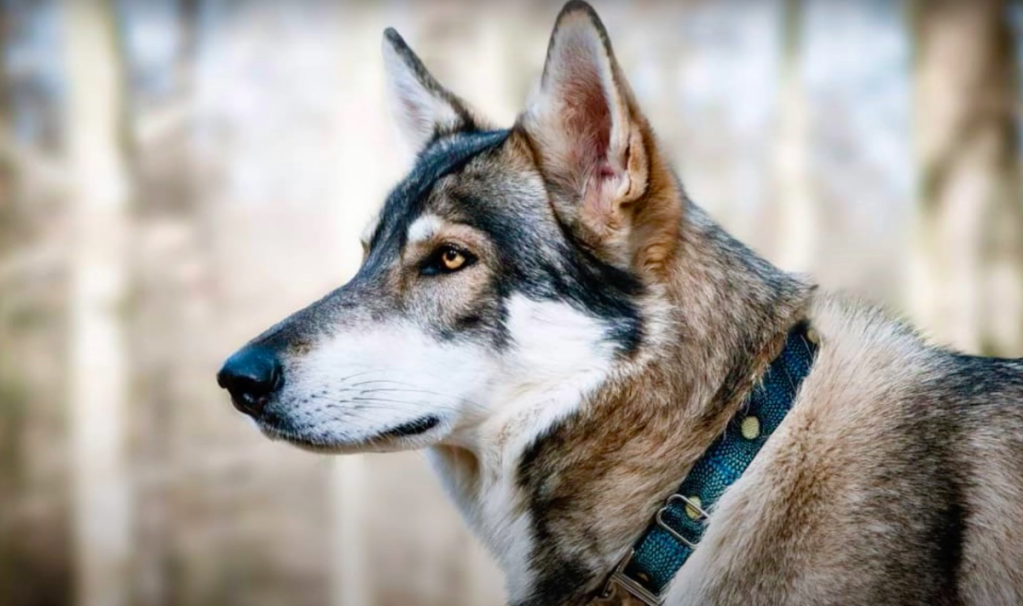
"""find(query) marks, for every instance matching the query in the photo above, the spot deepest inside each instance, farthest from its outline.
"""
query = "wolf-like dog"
(545, 312)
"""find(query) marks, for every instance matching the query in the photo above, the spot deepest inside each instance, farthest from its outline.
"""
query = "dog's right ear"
(423, 108)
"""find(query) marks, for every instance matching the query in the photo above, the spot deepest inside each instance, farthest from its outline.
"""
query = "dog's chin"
(410, 435)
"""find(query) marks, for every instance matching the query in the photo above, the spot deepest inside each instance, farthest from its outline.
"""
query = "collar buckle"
(620, 580)
(689, 505)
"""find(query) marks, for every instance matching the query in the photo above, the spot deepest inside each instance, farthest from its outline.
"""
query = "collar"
(679, 524)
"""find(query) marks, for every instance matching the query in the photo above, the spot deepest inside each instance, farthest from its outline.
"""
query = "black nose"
(251, 375)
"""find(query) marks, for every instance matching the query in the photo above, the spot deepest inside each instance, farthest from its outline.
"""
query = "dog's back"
(980, 401)
(897, 479)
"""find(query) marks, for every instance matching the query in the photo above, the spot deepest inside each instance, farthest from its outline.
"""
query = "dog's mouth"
(309, 441)
(412, 428)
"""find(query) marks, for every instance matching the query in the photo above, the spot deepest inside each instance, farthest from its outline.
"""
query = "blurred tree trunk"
(968, 270)
(10, 400)
(34, 524)
(6, 120)
(95, 130)
(189, 13)
(164, 182)
(796, 213)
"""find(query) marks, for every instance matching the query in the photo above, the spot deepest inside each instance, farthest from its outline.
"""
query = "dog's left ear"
(422, 107)
(597, 150)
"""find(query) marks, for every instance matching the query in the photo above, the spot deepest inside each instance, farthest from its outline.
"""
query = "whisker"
(391, 401)
(374, 381)
(361, 374)
(410, 387)
(374, 404)
(422, 391)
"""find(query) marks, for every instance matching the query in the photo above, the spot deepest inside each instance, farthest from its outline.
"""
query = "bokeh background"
(175, 175)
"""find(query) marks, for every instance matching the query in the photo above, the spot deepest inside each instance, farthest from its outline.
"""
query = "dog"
(543, 310)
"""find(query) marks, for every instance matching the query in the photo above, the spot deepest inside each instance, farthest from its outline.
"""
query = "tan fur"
(814, 519)
(894, 480)
(656, 218)
(803, 512)
(630, 204)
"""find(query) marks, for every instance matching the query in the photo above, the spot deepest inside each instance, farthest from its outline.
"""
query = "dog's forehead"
(407, 202)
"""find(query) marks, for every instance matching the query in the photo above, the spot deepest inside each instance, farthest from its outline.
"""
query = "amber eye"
(452, 259)
(446, 260)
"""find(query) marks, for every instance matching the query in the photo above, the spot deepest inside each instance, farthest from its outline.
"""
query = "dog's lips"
(269, 426)
(412, 428)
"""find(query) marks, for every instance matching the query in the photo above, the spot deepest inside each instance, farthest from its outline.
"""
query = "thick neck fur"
(562, 509)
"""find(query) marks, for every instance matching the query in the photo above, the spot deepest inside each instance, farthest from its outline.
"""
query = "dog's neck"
(561, 503)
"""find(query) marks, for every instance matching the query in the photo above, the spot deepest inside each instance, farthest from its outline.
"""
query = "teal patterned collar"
(678, 526)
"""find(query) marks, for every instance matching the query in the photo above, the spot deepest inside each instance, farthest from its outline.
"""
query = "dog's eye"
(448, 259)
(452, 259)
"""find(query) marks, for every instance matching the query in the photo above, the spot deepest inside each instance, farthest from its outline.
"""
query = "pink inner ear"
(587, 114)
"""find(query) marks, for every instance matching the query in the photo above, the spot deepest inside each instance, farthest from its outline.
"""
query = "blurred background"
(176, 175)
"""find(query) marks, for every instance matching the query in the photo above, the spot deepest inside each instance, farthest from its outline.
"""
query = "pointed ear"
(595, 145)
(422, 107)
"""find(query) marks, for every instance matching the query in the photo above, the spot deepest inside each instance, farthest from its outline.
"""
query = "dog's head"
(508, 266)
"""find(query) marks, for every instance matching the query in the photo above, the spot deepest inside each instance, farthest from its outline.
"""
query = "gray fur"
(896, 479)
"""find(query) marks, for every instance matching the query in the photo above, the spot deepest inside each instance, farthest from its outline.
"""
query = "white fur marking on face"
(557, 356)
(424, 228)
(556, 342)
(362, 383)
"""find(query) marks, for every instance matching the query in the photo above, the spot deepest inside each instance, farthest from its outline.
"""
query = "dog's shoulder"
(895, 450)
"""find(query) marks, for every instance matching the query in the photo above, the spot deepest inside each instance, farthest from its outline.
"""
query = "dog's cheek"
(461, 308)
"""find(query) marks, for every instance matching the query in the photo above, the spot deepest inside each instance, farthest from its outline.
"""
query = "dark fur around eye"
(434, 264)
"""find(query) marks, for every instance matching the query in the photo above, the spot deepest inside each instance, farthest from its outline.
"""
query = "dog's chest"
(491, 504)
